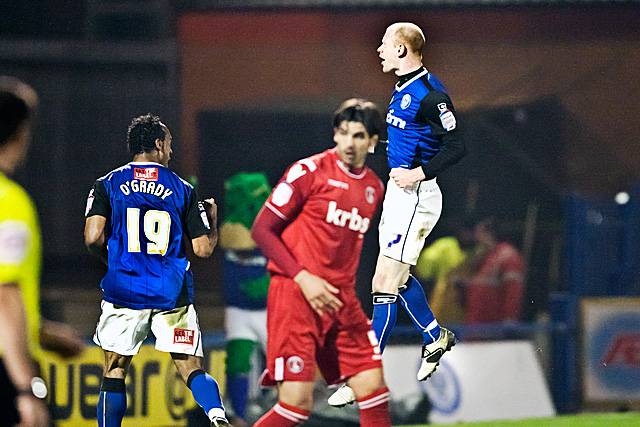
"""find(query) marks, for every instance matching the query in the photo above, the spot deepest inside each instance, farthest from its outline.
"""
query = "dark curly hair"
(361, 111)
(143, 132)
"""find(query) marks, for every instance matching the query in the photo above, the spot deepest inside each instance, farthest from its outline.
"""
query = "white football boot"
(218, 418)
(432, 353)
(342, 397)
(220, 422)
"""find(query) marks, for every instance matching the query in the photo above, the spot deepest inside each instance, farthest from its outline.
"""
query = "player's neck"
(489, 244)
(408, 67)
(146, 157)
(4, 168)
(356, 170)
(8, 162)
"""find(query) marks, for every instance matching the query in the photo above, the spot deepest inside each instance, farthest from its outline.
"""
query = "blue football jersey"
(149, 209)
(246, 280)
(419, 113)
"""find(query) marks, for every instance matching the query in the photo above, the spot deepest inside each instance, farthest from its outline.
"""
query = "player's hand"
(212, 210)
(60, 338)
(406, 177)
(33, 412)
(319, 293)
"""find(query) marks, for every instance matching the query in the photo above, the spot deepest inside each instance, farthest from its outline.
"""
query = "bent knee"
(367, 382)
(300, 402)
(384, 283)
(298, 398)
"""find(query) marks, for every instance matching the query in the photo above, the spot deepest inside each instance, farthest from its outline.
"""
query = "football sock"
(385, 313)
(112, 403)
(415, 303)
(283, 415)
(374, 409)
(206, 393)
(237, 391)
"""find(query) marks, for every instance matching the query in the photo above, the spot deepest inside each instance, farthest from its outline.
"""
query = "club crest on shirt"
(146, 174)
(370, 194)
(183, 336)
(406, 101)
(295, 364)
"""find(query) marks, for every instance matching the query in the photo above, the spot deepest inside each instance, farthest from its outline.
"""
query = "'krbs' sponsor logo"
(624, 351)
(146, 174)
(342, 218)
(183, 336)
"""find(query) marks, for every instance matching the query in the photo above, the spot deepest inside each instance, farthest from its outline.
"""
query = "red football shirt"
(495, 291)
(329, 209)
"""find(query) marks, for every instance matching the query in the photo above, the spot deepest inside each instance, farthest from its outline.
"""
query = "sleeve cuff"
(427, 175)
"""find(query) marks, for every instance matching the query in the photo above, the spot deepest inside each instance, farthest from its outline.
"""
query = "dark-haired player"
(136, 218)
(311, 228)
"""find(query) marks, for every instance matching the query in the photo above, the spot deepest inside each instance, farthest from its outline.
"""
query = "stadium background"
(547, 91)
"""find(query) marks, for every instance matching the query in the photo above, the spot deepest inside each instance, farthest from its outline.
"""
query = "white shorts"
(408, 216)
(243, 324)
(122, 330)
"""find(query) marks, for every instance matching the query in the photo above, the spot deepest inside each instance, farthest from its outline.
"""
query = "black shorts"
(8, 394)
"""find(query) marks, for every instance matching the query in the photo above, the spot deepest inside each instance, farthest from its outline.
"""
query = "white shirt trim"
(146, 163)
(275, 211)
(399, 88)
(345, 169)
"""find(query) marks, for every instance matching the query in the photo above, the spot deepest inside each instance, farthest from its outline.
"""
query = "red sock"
(283, 415)
(374, 409)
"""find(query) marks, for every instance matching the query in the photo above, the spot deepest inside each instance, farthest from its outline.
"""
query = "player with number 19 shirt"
(137, 217)
(150, 208)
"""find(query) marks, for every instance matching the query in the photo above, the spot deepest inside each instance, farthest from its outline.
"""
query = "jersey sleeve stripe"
(276, 211)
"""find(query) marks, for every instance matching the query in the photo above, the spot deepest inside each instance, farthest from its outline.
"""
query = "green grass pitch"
(628, 419)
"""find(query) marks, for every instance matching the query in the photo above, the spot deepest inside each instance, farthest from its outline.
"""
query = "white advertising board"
(474, 382)
(611, 350)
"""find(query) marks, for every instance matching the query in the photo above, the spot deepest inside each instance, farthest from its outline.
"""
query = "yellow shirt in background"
(20, 252)
(435, 263)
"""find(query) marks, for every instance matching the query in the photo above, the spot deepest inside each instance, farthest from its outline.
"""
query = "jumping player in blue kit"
(136, 220)
(423, 140)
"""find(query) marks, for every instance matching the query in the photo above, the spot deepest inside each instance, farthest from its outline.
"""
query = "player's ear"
(159, 144)
(402, 50)
(373, 141)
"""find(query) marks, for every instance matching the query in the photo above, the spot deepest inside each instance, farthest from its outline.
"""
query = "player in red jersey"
(311, 228)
